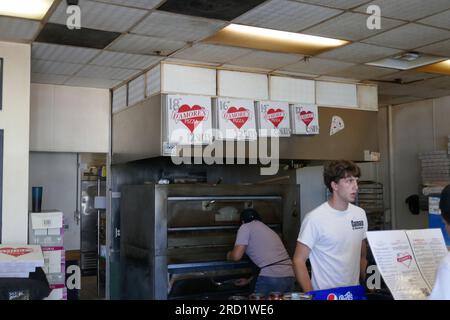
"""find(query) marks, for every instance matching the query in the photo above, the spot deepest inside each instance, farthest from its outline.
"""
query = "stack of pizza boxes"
(46, 229)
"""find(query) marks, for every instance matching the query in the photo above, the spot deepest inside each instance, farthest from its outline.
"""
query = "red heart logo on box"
(404, 258)
(16, 252)
(238, 116)
(191, 117)
(275, 116)
(306, 117)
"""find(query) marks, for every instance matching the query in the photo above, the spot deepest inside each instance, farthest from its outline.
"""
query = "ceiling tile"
(125, 60)
(295, 74)
(358, 53)
(211, 53)
(441, 48)
(145, 4)
(84, 37)
(218, 9)
(317, 66)
(350, 26)
(52, 67)
(440, 20)
(339, 4)
(109, 73)
(132, 43)
(396, 100)
(409, 36)
(266, 60)
(408, 9)
(101, 16)
(48, 78)
(246, 68)
(286, 15)
(54, 52)
(436, 83)
(91, 82)
(406, 76)
(14, 29)
(362, 72)
(177, 27)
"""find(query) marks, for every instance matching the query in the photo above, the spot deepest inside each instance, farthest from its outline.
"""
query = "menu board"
(236, 119)
(188, 119)
(305, 119)
(408, 260)
(273, 119)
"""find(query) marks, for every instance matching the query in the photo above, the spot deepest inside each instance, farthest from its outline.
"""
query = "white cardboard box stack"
(46, 229)
(18, 260)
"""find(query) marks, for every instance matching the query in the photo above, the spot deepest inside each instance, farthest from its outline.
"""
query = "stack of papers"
(435, 167)
(408, 260)
(18, 260)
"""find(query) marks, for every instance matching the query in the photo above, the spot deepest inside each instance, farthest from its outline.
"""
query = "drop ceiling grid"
(131, 43)
(409, 36)
(266, 60)
(317, 66)
(144, 4)
(362, 72)
(409, 10)
(177, 27)
(91, 82)
(440, 20)
(441, 48)
(60, 53)
(211, 53)
(48, 78)
(56, 68)
(338, 4)
(407, 76)
(18, 29)
(125, 60)
(109, 73)
(101, 16)
(286, 15)
(350, 26)
(358, 53)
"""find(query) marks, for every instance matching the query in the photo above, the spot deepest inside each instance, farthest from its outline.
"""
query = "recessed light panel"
(29, 9)
(273, 40)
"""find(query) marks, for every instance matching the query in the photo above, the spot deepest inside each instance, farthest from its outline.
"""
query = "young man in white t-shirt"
(333, 235)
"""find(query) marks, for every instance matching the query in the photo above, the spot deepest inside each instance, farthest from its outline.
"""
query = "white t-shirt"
(334, 238)
(441, 289)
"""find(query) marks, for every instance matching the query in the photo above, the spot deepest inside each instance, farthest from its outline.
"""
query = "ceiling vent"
(406, 61)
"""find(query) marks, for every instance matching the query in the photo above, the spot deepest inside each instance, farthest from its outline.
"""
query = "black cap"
(249, 214)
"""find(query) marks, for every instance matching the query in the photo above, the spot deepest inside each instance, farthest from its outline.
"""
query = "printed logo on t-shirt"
(357, 224)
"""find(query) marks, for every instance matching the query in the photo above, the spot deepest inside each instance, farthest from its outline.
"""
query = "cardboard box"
(46, 220)
(54, 259)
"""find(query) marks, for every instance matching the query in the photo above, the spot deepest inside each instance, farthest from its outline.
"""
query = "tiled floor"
(89, 289)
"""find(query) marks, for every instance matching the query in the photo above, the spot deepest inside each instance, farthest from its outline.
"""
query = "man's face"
(346, 188)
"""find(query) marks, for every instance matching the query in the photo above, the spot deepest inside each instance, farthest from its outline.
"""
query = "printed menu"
(408, 260)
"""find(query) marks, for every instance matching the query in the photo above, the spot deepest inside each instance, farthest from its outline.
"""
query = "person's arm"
(301, 272)
(237, 253)
(363, 262)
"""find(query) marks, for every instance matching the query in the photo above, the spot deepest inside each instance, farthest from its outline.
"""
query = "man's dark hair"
(444, 204)
(249, 214)
(338, 169)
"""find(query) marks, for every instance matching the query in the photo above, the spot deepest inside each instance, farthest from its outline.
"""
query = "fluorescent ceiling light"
(406, 61)
(273, 40)
(29, 9)
(440, 68)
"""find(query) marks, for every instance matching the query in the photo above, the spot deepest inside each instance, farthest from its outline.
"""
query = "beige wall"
(15, 119)
(69, 119)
